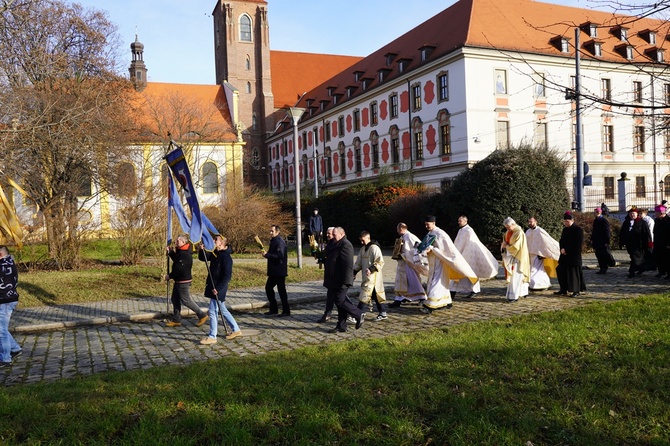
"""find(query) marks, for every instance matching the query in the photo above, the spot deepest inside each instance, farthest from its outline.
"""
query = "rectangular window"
(357, 120)
(395, 150)
(445, 184)
(445, 139)
(326, 129)
(608, 138)
(394, 105)
(329, 167)
(606, 89)
(418, 144)
(304, 140)
(540, 136)
(416, 97)
(637, 91)
(638, 138)
(359, 165)
(443, 86)
(609, 187)
(640, 187)
(501, 81)
(539, 90)
(340, 126)
(343, 165)
(374, 113)
(375, 156)
(502, 134)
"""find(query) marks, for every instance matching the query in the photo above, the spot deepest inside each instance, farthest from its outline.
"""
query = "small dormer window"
(625, 50)
(331, 91)
(390, 57)
(426, 51)
(623, 34)
(358, 75)
(593, 30)
(597, 49)
(652, 38)
(660, 56)
(561, 43)
(383, 74)
(402, 65)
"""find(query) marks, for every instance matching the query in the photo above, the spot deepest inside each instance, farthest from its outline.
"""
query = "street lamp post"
(295, 113)
(316, 173)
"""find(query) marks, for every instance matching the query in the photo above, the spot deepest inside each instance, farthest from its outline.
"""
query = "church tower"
(138, 71)
(242, 56)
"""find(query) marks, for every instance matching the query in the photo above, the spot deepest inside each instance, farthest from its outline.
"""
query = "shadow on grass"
(44, 296)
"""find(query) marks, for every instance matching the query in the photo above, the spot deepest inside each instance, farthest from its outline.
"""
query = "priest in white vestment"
(544, 252)
(515, 260)
(445, 262)
(480, 259)
(408, 285)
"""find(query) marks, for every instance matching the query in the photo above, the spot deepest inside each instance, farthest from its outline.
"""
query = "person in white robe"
(544, 252)
(515, 260)
(408, 284)
(482, 261)
(445, 262)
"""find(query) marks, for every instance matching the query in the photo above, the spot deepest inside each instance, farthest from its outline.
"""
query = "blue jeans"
(214, 317)
(7, 341)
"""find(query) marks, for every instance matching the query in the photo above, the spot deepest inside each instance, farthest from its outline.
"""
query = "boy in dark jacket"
(182, 263)
(9, 299)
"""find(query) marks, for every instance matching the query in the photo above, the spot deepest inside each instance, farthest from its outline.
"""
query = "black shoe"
(270, 313)
(337, 330)
(515, 300)
(324, 318)
(471, 295)
(575, 294)
(16, 353)
(359, 321)
(561, 293)
(601, 271)
(449, 306)
(395, 304)
(284, 315)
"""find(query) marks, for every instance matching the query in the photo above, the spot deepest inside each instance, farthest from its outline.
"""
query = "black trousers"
(344, 306)
(604, 256)
(280, 283)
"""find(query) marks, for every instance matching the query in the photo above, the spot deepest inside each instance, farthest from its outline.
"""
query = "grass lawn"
(597, 375)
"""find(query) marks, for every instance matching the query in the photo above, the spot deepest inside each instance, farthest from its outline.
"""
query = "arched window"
(245, 28)
(248, 63)
(210, 178)
(248, 87)
(255, 158)
(254, 121)
(126, 181)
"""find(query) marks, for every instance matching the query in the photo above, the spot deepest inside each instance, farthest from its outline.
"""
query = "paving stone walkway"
(61, 342)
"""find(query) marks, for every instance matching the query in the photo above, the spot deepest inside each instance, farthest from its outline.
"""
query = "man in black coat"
(636, 237)
(569, 270)
(662, 241)
(600, 240)
(339, 277)
(277, 271)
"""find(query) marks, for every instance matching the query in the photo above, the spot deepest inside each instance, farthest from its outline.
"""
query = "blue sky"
(179, 43)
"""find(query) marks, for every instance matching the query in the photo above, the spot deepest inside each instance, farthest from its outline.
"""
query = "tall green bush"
(518, 182)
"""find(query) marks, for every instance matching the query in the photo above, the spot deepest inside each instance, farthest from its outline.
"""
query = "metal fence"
(642, 197)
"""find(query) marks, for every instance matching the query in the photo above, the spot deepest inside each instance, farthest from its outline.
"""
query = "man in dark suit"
(339, 277)
(569, 270)
(277, 271)
(600, 240)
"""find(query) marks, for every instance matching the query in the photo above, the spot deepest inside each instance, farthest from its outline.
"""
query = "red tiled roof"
(295, 73)
(526, 26)
(182, 108)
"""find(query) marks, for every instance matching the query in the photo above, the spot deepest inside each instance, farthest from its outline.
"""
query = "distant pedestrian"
(600, 240)
(9, 299)
(182, 264)
(570, 275)
(277, 270)
(370, 262)
(661, 249)
(316, 226)
(220, 272)
(339, 277)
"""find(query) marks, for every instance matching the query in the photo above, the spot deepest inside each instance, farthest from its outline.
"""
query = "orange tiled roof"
(183, 108)
(512, 25)
(295, 73)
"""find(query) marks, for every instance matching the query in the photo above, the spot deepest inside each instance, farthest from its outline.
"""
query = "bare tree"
(65, 113)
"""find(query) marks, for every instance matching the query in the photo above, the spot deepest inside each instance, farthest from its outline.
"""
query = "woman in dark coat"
(569, 270)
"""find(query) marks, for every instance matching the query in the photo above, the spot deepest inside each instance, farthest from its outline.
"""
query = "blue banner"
(194, 227)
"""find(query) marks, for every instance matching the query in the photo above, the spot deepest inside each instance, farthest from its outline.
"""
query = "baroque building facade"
(479, 76)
